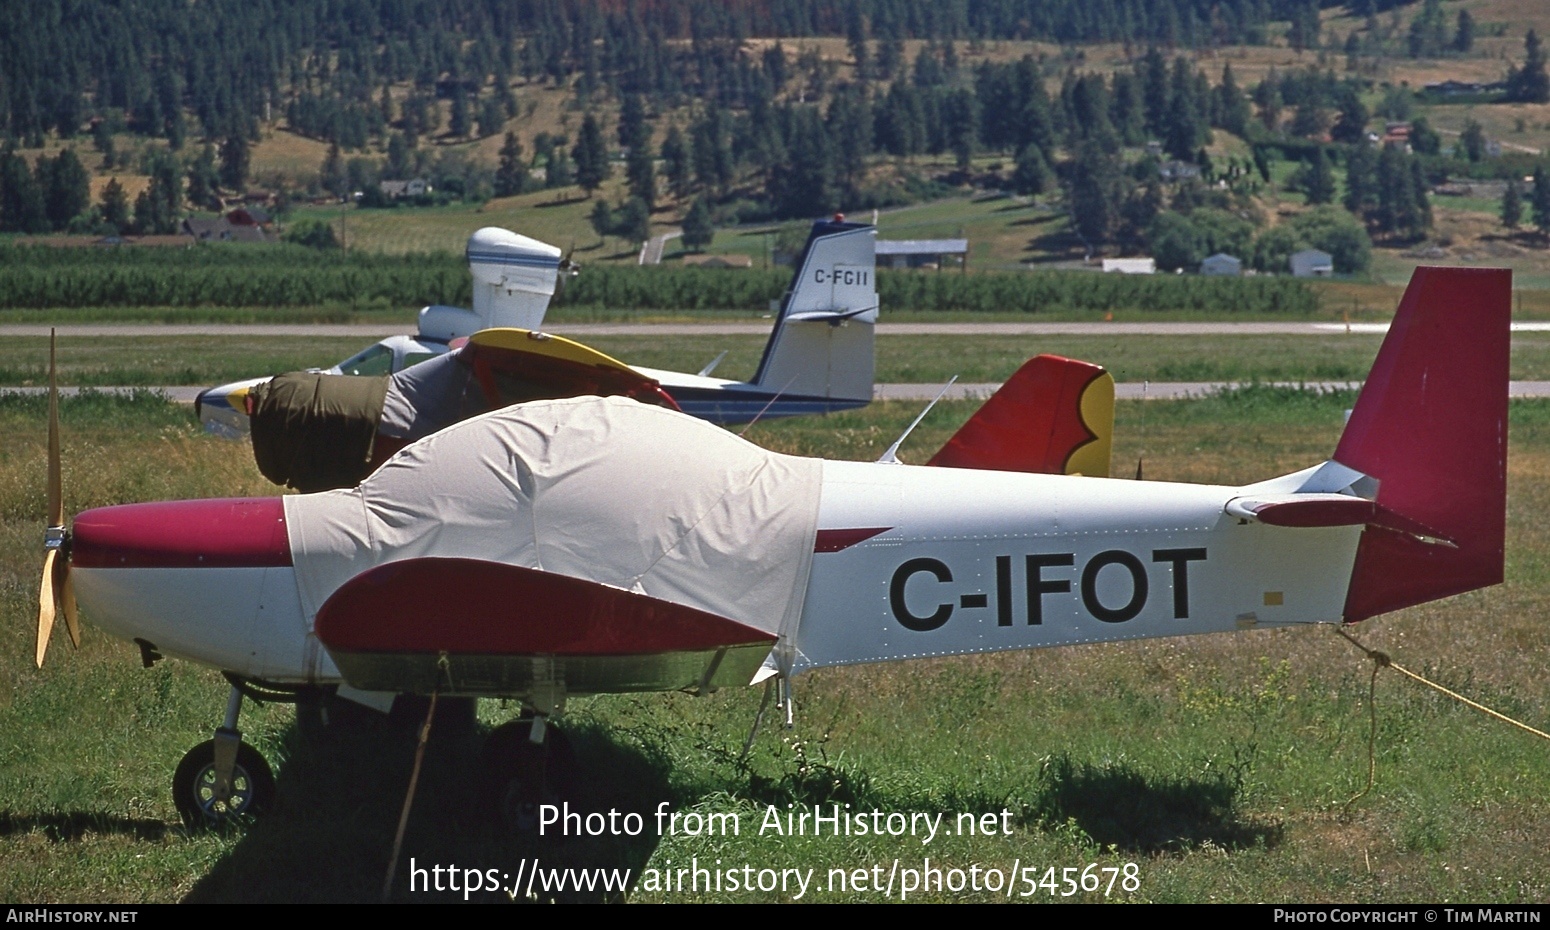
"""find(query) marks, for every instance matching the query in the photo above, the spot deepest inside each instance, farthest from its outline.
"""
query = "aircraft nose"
(222, 533)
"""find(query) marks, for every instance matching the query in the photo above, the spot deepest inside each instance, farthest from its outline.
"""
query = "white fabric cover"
(423, 398)
(607, 489)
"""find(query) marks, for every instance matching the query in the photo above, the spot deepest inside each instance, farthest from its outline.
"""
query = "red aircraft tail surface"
(1431, 426)
(1054, 416)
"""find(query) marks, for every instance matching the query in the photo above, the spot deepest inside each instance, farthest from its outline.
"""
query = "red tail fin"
(1054, 416)
(1431, 427)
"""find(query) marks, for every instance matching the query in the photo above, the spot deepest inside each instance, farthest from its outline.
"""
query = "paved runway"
(377, 331)
(1132, 390)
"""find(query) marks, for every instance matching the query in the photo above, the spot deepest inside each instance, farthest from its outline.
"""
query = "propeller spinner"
(57, 594)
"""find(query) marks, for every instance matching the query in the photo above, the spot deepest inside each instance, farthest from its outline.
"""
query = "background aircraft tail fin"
(822, 343)
(1430, 426)
(514, 278)
(1054, 416)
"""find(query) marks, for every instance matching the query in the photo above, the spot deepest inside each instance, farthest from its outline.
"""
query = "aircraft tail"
(514, 278)
(1430, 426)
(1054, 416)
(822, 343)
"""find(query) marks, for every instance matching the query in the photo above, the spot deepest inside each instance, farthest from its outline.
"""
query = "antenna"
(891, 457)
(765, 409)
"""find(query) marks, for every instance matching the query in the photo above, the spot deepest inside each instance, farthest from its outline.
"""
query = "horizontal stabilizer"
(1304, 510)
(1054, 416)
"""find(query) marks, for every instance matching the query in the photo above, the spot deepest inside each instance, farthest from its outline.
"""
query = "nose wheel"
(197, 792)
(222, 779)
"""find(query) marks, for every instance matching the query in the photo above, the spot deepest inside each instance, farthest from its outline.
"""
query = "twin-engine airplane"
(603, 545)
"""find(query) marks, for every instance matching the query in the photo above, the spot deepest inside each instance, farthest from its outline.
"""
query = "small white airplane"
(819, 359)
(603, 545)
(514, 278)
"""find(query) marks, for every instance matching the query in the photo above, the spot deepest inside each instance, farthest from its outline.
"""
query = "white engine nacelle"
(514, 277)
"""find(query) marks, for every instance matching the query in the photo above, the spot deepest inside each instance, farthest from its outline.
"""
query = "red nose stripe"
(225, 533)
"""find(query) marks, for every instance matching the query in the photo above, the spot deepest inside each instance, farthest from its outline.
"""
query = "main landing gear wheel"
(522, 774)
(194, 787)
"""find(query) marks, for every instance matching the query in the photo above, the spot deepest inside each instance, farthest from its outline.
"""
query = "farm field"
(1223, 767)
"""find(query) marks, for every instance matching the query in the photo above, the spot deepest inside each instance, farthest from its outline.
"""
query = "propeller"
(57, 594)
(569, 267)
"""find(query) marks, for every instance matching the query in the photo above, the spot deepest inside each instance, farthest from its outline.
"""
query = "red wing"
(474, 627)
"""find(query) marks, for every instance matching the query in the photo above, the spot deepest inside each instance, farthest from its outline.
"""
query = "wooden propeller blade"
(56, 494)
(46, 604)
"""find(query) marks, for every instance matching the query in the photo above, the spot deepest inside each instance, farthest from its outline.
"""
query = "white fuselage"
(977, 561)
(961, 561)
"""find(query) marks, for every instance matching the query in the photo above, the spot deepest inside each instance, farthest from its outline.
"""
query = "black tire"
(193, 784)
(519, 775)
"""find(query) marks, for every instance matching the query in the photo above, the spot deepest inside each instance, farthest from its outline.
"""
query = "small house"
(1312, 263)
(1223, 265)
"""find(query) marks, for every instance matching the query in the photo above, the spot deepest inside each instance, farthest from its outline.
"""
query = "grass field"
(1220, 766)
(208, 360)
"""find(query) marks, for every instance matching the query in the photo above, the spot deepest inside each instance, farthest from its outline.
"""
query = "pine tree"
(634, 221)
(115, 206)
(676, 167)
(1095, 192)
(591, 156)
(1472, 140)
(332, 175)
(1531, 83)
(66, 188)
(203, 179)
(1540, 200)
(1464, 35)
(22, 205)
(698, 231)
(1351, 124)
(602, 219)
(235, 159)
(1512, 206)
(458, 123)
(560, 171)
(640, 173)
(1031, 176)
(511, 176)
(1232, 107)
(1320, 184)
(1360, 180)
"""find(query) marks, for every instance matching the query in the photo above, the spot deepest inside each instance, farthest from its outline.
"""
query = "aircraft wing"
(390, 629)
(519, 365)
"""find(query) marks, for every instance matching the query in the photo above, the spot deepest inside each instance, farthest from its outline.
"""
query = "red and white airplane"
(602, 545)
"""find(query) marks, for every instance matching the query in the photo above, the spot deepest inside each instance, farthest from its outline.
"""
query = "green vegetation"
(296, 276)
(1221, 766)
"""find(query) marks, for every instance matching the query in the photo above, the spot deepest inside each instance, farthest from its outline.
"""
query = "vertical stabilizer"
(1054, 416)
(822, 344)
(1431, 427)
(514, 278)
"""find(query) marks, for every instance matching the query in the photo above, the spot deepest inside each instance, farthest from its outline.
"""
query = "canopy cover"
(604, 489)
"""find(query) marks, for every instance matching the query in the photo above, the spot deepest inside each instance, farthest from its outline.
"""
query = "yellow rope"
(1382, 660)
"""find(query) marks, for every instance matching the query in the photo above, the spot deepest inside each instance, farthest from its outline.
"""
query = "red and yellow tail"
(1054, 416)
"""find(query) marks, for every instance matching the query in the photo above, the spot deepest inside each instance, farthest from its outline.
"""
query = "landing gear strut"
(222, 779)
